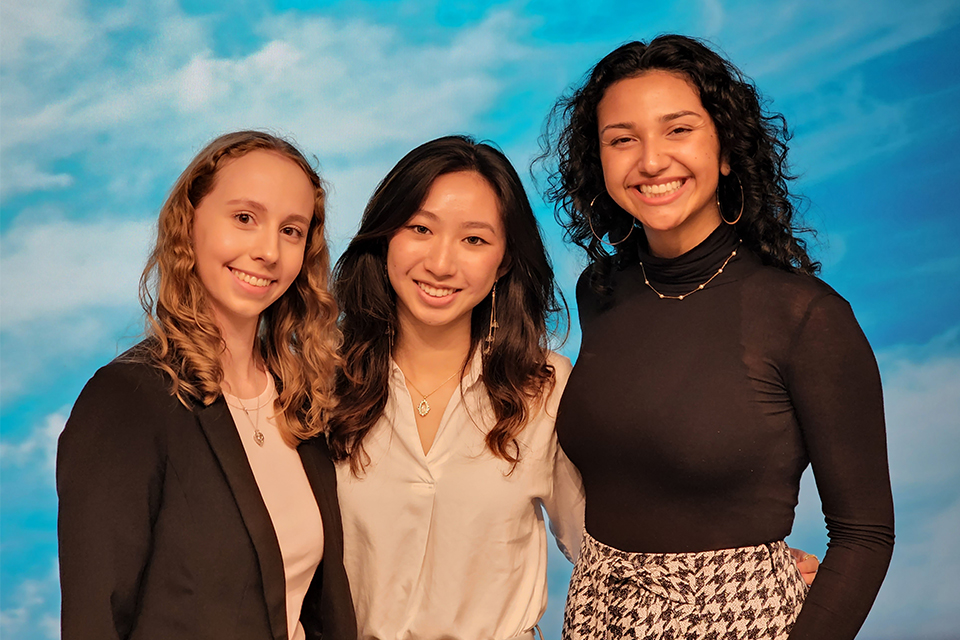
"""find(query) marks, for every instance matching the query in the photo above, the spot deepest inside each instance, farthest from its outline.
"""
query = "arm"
(565, 508)
(565, 505)
(109, 476)
(835, 387)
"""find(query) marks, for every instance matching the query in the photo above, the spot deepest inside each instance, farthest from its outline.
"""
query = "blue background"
(102, 104)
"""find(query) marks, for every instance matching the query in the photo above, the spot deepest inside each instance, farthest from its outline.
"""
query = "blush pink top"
(287, 494)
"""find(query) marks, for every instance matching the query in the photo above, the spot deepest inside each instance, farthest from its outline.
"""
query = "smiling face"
(249, 235)
(661, 159)
(447, 256)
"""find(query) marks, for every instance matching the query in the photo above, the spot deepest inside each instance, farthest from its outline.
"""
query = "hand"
(807, 563)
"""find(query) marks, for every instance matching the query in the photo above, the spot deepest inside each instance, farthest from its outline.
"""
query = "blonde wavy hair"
(298, 337)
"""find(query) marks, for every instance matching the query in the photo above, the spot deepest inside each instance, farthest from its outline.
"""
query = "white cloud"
(59, 267)
(38, 451)
(923, 413)
(343, 87)
(919, 597)
(33, 611)
(25, 177)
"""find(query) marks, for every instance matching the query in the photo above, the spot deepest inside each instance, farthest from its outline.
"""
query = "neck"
(677, 242)
(243, 370)
(430, 354)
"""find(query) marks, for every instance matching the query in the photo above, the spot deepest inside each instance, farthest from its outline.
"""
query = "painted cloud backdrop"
(103, 103)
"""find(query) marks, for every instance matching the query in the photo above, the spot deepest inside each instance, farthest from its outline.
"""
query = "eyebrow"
(475, 224)
(667, 117)
(296, 217)
(259, 208)
(251, 204)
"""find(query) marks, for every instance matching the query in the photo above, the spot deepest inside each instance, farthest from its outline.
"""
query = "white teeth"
(246, 277)
(660, 189)
(433, 291)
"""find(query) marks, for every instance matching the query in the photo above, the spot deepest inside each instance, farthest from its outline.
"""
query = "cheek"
(615, 169)
(486, 270)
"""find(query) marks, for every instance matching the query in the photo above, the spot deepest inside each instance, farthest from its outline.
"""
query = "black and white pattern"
(732, 594)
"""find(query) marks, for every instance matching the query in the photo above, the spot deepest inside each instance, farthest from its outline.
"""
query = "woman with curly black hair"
(713, 367)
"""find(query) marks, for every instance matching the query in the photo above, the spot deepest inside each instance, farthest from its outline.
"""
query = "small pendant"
(423, 408)
(258, 436)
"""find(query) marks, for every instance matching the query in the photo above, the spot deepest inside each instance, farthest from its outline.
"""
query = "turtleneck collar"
(690, 269)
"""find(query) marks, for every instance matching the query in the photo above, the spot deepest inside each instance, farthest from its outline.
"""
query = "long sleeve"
(565, 508)
(835, 387)
(109, 479)
(565, 504)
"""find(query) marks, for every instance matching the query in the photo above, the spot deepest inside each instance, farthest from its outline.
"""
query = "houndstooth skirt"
(730, 594)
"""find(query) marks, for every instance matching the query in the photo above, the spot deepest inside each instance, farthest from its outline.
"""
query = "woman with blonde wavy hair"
(194, 500)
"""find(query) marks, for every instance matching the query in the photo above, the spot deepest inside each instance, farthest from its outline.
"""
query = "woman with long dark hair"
(195, 499)
(713, 367)
(444, 429)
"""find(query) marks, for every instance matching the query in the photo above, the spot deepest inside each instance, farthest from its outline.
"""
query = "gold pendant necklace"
(257, 434)
(646, 281)
(424, 407)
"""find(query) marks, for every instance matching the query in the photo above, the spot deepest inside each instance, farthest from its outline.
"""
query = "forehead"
(462, 197)
(255, 163)
(652, 93)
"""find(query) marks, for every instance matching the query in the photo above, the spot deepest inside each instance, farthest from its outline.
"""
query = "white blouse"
(287, 495)
(451, 544)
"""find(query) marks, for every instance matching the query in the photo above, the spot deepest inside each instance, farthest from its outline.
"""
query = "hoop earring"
(492, 330)
(720, 211)
(593, 231)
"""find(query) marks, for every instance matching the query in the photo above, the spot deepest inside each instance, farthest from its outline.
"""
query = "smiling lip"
(661, 193)
(248, 278)
(435, 292)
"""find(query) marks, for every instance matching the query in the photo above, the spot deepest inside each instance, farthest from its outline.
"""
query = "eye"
(619, 142)
(293, 232)
(475, 240)
(419, 228)
(243, 217)
(680, 129)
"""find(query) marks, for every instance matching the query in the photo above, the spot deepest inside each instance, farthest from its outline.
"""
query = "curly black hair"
(752, 140)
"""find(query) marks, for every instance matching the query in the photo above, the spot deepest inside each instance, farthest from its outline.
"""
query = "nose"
(440, 259)
(266, 247)
(652, 159)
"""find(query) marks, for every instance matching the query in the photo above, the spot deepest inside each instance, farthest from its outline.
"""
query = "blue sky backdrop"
(103, 103)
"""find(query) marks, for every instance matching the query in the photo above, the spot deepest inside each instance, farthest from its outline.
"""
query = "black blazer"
(163, 532)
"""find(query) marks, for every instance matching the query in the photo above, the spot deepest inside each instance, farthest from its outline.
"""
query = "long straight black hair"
(515, 371)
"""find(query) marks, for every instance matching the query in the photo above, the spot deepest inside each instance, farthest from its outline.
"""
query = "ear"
(504, 267)
(725, 165)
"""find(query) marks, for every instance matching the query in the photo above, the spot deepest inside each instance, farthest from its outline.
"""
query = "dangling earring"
(741, 202)
(492, 331)
(593, 231)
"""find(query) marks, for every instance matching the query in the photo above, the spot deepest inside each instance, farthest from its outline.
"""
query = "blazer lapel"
(221, 433)
(323, 481)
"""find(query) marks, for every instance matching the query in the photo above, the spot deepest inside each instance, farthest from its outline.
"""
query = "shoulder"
(561, 368)
(123, 414)
(804, 309)
(796, 284)
(127, 379)
(797, 294)
(128, 391)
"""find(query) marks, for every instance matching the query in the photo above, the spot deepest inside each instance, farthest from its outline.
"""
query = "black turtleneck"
(692, 420)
